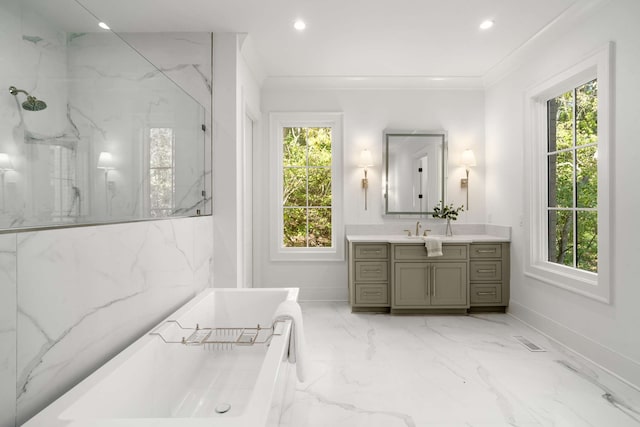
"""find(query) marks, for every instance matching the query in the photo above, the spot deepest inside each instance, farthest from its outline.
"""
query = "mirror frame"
(385, 155)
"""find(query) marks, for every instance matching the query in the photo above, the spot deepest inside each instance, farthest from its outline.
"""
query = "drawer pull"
(486, 293)
(364, 270)
(372, 294)
(371, 251)
(486, 251)
(485, 270)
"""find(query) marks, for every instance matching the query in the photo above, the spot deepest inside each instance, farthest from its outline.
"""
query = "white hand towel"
(290, 309)
(433, 245)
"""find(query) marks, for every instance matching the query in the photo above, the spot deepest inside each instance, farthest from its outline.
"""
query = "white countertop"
(397, 238)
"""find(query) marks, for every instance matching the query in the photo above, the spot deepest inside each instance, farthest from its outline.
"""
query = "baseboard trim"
(621, 367)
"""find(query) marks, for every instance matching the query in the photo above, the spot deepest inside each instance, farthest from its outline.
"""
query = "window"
(572, 180)
(161, 172)
(566, 164)
(62, 177)
(306, 193)
(307, 188)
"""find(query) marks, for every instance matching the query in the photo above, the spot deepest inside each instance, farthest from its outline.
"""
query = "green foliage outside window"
(161, 185)
(306, 195)
(573, 178)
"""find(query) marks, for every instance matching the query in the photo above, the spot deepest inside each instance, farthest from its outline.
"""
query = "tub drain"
(222, 408)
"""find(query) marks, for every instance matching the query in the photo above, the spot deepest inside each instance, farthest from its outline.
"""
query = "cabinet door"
(449, 284)
(411, 285)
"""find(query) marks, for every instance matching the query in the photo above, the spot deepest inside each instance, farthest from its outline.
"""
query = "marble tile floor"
(378, 370)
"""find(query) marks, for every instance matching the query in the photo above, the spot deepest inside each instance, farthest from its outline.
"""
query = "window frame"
(62, 182)
(147, 178)
(278, 252)
(593, 285)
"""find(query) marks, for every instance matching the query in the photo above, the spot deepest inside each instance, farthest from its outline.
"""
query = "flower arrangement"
(447, 212)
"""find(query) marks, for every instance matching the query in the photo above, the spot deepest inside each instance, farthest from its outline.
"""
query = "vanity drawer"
(418, 252)
(372, 293)
(486, 250)
(481, 293)
(371, 271)
(370, 251)
(485, 270)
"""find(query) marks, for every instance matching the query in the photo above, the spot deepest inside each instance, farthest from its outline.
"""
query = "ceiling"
(425, 38)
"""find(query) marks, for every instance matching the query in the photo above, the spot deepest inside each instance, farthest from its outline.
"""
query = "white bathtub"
(153, 383)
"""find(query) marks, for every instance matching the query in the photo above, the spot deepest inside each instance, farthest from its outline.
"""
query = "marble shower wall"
(101, 95)
(115, 103)
(70, 298)
(86, 293)
(7, 330)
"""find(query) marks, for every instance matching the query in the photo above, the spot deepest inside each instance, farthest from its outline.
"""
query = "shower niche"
(92, 131)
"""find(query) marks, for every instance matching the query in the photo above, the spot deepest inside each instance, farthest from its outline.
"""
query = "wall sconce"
(5, 165)
(105, 161)
(365, 161)
(468, 160)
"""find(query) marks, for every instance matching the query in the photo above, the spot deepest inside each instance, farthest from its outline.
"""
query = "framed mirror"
(414, 171)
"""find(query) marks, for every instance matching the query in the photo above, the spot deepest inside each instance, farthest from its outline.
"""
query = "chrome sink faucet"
(418, 225)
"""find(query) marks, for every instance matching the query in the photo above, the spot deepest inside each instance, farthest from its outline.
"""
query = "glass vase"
(448, 231)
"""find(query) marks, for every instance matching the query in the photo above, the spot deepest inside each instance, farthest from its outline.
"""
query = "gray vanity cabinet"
(421, 282)
(369, 276)
(489, 271)
(401, 278)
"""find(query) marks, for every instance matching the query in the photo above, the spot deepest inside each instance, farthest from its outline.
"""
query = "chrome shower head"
(32, 103)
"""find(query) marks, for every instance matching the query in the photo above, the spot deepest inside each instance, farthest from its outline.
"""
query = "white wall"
(605, 333)
(367, 112)
(237, 92)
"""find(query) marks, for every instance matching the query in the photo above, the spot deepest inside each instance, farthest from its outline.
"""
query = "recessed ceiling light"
(103, 26)
(299, 25)
(486, 24)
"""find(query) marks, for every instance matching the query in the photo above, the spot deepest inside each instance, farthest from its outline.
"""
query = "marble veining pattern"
(7, 329)
(87, 292)
(380, 370)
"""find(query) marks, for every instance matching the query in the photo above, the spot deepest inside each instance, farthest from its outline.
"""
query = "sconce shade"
(468, 158)
(365, 158)
(5, 162)
(105, 161)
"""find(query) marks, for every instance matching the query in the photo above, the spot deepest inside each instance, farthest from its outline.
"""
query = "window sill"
(302, 254)
(579, 282)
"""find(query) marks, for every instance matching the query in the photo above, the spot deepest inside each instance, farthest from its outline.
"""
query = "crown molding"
(373, 82)
(562, 23)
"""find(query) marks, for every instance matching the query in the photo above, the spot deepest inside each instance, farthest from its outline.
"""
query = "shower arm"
(15, 91)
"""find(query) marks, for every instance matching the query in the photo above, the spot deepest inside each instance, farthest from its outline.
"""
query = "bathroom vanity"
(395, 274)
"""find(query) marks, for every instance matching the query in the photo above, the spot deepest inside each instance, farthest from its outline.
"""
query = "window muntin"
(307, 200)
(572, 180)
(161, 172)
